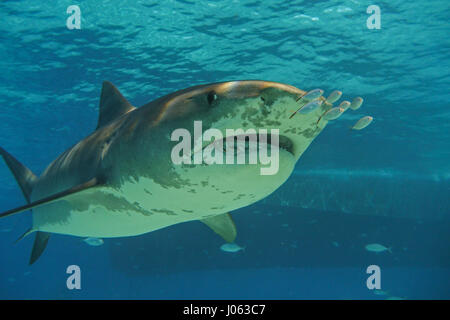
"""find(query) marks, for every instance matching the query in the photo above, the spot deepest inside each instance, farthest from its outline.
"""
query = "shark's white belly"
(143, 206)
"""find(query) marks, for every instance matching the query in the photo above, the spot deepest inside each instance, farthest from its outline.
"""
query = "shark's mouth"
(286, 144)
(251, 141)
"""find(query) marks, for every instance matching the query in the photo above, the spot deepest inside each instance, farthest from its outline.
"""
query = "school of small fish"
(312, 102)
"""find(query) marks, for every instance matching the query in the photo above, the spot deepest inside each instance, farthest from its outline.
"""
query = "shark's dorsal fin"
(112, 104)
(223, 225)
(95, 182)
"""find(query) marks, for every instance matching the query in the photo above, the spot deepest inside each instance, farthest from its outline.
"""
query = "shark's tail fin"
(26, 181)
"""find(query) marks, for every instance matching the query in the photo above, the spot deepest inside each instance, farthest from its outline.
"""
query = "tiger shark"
(121, 181)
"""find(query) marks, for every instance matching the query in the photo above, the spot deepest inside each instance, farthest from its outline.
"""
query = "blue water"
(389, 183)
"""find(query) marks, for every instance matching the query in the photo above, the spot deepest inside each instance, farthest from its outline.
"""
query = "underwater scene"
(218, 149)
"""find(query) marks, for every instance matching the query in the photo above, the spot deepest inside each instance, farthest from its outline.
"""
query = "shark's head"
(254, 107)
(245, 105)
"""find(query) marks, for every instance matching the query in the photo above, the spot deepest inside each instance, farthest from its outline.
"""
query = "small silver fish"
(376, 247)
(333, 113)
(334, 96)
(231, 247)
(380, 292)
(313, 94)
(356, 103)
(309, 107)
(93, 241)
(344, 105)
(362, 123)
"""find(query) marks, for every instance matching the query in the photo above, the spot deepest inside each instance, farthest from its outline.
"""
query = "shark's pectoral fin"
(112, 104)
(223, 225)
(95, 182)
(40, 242)
(26, 233)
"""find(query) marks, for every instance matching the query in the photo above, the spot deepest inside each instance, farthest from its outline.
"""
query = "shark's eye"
(262, 99)
(212, 96)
